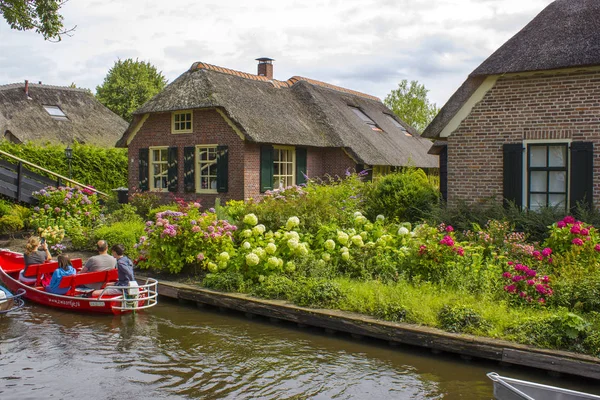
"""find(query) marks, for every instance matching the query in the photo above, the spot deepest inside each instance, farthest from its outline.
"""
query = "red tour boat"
(128, 298)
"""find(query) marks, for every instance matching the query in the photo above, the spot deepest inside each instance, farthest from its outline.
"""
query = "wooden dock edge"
(358, 324)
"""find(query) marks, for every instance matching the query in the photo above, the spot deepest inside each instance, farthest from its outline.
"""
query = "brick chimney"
(265, 67)
(26, 87)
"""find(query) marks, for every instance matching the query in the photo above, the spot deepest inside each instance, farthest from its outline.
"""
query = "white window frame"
(526, 143)
(174, 114)
(59, 114)
(210, 164)
(151, 171)
(292, 176)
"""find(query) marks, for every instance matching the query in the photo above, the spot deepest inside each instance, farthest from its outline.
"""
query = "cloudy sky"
(365, 45)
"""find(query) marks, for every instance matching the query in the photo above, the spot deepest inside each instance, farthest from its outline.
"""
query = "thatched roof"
(299, 111)
(23, 118)
(565, 34)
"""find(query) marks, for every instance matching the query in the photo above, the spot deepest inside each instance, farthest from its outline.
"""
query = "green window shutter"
(266, 168)
(300, 166)
(172, 169)
(582, 173)
(222, 169)
(189, 167)
(513, 174)
(143, 169)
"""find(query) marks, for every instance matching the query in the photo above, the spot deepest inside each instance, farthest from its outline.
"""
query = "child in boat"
(35, 253)
(64, 269)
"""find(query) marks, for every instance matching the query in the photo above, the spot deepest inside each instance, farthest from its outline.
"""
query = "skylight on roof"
(55, 112)
(395, 122)
(364, 117)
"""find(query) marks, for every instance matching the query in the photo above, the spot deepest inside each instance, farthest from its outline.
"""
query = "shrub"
(65, 206)
(229, 281)
(460, 318)
(125, 213)
(311, 292)
(274, 287)
(126, 233)
(390, 311)
(11, 223)
(104, 168)
(561, 330)
(404, 196)
(144, 202)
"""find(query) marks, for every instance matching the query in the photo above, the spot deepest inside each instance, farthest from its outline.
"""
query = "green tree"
(409, 102)
(128, 85)
(41, 15)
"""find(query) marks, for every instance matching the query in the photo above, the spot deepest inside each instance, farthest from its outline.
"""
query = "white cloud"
(365, 45)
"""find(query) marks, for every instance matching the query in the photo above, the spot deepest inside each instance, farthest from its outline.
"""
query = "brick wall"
(560, 106)
(208, 128)
(244, 157)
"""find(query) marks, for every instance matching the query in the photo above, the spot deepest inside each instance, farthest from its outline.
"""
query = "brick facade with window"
(244, 158)
(561, 108)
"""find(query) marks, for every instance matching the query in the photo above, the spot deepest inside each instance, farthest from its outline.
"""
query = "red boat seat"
(37, 271)
(86, 278)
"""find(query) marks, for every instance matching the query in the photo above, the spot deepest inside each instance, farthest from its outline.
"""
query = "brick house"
(216, 132)
(525, 125)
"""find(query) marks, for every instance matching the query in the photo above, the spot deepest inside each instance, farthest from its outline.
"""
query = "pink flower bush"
(525, 284)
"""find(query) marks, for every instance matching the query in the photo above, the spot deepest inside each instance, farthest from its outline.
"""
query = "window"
(182, 122)
(365, 118)
(547, 167)
(56, 113)
(284, 167)
(397, 124)
(206, 175)
(159, 168)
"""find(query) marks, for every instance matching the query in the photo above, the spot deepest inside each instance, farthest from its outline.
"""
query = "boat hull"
(102, 304)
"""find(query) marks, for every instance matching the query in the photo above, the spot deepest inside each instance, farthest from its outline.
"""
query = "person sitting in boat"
(64, 269)
(125, 269)
(36, 252)
(101, 262)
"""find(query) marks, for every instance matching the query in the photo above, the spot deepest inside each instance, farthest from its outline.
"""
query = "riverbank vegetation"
(385, 249)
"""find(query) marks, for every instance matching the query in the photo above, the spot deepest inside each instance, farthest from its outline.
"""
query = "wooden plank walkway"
(358, 324)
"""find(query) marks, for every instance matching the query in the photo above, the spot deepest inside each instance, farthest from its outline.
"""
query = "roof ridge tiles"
(277, 83)
(37, 85)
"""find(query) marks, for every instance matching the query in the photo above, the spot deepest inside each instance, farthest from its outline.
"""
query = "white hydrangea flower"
(273, 262)
(260, 252)
(224, 256)
(329, 245)
(364, 235)
(246, 245)
(252, 259)
(357, 214)
(344, 249)
(345, 256)
(250, 219)
(342, 237)
(246, 233)
(360, 220)
(403, 231)
(290, 266)
(293, 244)
(271, 248)
(326, 256)
(303, 249)
(212, 267)
(357, 240)
(380, 217)
(292, 222)
(258, 230)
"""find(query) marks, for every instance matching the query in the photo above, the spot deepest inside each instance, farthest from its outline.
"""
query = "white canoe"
(514, 389)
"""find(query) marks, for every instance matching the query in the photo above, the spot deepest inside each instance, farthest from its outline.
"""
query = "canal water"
(181, 352)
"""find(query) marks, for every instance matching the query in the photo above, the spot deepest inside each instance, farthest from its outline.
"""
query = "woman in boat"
(35, 253)
(64, 269)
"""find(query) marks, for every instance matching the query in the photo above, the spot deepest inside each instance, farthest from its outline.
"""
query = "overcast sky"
(365, 45)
